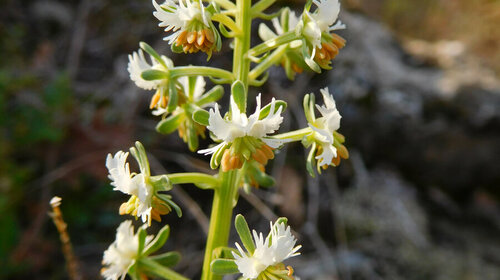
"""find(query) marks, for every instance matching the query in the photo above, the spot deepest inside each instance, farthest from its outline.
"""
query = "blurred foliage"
(474, 23)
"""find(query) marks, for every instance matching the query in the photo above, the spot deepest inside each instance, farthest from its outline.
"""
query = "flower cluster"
(327, 143)
(244, 138)
(321, 44)
(145, 201)
(192, 26)
(130, 250)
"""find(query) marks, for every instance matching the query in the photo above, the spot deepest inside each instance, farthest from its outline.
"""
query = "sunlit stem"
(159, 270)
(201, 71)
(295, 135)
(262, 5)
(227, 21)
(193, 178)
(269, 61)
(226, 4)
(225, 195)
(273, 43)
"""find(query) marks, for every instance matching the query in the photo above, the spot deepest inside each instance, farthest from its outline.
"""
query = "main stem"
(223, 203)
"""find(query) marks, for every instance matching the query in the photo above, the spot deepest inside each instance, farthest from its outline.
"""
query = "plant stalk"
(225, 195)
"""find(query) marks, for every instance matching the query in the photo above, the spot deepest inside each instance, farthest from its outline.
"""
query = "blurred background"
(418, 89)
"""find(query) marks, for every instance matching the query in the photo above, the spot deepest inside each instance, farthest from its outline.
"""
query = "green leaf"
(224, 266)
(244, 232)
(167, 259)
(158, 241)
(266, 110)
(201, 116)
(239, 95)
(170, 124)
(172, 98)
(153, 74)
(212, 95)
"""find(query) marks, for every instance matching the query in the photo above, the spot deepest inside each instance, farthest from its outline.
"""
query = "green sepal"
(168, 259)
(147, 48)
(142, 240)
(310, 161)
(238, 93)
(153, 74)
(161, 183)
(176, 48)
(133, 273)
(244, 232)
(172, 98)
(192, 137)
(224, 266)
(223, 253)
(282, 220)
(223, 30)
(158, 242)
(139, 153)
(201, 116)
(340, 138)
(263, 179)
(266, 110)
(212, 95)
(308, 103)
(168, 199)
(309, 60)
(170, 124)
(217, 156)
(191, 86)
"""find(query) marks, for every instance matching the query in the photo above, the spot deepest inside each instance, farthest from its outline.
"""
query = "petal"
(326, 157)
(138, 64)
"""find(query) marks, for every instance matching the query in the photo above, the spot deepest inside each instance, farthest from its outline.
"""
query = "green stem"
(160, 270)
(226, 4)
(193, 178)
(262, 5)
(225, 195)
(220, 219)
(273, 43)
(295, 135)
(269, 61)
(201, 70)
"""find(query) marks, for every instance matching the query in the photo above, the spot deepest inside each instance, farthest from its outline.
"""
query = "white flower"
(277, 247)
(322, 20)
(324, 127)
(240, 125)
(138, 64)
(122, 253)
(134, 185)
(177, 17)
